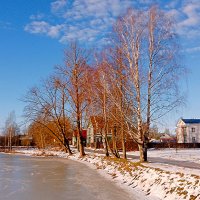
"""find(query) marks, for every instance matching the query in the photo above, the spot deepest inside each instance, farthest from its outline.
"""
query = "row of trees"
(10, 131)
(130, 83)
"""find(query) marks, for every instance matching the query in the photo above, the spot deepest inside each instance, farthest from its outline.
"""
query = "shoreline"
(147, 182)
(137, 194)
(75, 158)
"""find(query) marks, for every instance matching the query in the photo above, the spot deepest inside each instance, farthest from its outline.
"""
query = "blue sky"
(34, 33)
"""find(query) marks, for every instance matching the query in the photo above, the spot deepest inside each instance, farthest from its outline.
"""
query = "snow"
(189, 155)
(192, 155)
(148, 181)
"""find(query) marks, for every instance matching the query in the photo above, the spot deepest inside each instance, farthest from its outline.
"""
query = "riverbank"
(37, 178)
(147, 182)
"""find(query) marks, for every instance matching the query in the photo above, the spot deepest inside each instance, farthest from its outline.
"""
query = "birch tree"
(148, 45)
(118, 95)
(102, 101)
(107, 92)
(11, 129)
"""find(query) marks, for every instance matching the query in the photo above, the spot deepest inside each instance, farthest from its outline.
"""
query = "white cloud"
(174, 14)
(87, 20)
(91, 20)
(192, 15)
(97, 8)
(42, 27)
(84, 34)
(37, 16)
(173, 4)
(54, 31)
(187, 16)
(58, 5)
(193, 49)
(97, 15)
(37, 27)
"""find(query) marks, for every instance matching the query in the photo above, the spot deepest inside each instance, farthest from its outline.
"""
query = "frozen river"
(26, 178)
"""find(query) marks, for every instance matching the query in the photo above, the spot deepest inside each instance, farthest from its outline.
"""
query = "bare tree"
(11, 129)
(118, 81)
(74, 75)
(106, 94)
(47, 105)
(148, 45)
(102, 96)
(108, 99)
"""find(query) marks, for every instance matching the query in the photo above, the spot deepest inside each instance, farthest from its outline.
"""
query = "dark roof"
(191, 121)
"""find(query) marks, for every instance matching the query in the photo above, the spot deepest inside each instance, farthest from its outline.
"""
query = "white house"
(95, 132)
(188, 131)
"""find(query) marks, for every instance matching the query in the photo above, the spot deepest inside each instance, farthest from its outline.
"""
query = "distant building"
(165, 138)
(25, 140)
(188, 131)
(75, 138)
(95, 131)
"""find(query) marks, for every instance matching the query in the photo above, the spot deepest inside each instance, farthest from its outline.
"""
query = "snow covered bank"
(154, 182)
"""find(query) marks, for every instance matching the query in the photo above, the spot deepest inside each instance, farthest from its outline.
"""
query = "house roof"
(83, 133)
(191, 121)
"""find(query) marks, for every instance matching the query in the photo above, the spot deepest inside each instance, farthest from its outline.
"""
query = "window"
(193, 130)
(193, 139)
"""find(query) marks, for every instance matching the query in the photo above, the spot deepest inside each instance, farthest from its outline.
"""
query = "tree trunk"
(123, 144)
(115, 150)
(141, 150)
(78, 118)
(81, 147)
(106, 146)
(80, 139)
(145, 151)
(66, 143)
